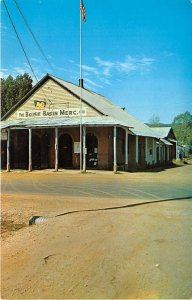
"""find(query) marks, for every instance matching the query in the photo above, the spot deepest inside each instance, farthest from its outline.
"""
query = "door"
(65, 151)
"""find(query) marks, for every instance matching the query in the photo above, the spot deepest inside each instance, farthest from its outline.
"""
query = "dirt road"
(139, 251)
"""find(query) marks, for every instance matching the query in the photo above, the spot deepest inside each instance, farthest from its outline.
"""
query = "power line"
(29, 28)
(26, 56)
(25, 53)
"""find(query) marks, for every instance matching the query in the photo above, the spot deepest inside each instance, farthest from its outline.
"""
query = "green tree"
(13, 89)
(182, 126)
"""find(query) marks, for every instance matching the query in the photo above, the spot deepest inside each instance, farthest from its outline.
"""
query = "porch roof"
(166, 142)
(60, 122)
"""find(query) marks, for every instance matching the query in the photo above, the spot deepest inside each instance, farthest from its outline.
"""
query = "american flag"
(83, 11)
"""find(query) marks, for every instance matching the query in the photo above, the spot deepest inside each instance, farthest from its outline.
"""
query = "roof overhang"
(61, 122)
(166, 142)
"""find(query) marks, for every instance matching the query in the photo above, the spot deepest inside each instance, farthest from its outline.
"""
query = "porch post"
(30, 150)
(8, 150)
(56, 149)
(136, 150)
(154, 151)
(176, 156)
(146, 150)
(126, 149)
(168, 153)
(84, 149)
(159, 156)
(115, 149)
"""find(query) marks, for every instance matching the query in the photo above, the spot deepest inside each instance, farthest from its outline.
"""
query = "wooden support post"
(154, 151)
(136, 149)
(164, 146)
(30, 149)
(56, 150)
(8, 150)
(146, 150)
(168, 153)
(126, 149)
(84, 149)
(159, 156)
(176, 154)
(115, 149)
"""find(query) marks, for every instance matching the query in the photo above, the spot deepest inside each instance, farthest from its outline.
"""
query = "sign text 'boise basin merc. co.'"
(41, 112)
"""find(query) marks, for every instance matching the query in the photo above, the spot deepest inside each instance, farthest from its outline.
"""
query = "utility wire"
(20, 40)
(25, 53)
(29, 28)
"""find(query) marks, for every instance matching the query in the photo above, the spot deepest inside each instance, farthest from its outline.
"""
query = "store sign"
(71, 112)
(39, 104)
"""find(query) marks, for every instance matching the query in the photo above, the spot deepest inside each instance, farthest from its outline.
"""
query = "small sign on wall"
(39, 104)
(76, 147)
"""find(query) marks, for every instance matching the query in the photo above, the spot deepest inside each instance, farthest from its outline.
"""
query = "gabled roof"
(97, 101)
(108, 108)
(165, 132)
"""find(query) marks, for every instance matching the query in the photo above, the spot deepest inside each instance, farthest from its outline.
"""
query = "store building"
(42, 131)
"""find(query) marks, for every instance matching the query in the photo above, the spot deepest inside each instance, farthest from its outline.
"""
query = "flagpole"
(80, 51)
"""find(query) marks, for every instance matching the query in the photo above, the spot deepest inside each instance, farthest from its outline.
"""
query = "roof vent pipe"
(81, 83)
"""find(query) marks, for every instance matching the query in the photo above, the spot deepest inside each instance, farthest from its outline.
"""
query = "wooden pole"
(146, 150)
(115, 149)
(84, 149)
(8, 150)
(30, 149)
(136, 150)
(56, 149)
(126, 149)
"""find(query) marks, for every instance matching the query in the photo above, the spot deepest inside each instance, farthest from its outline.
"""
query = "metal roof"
(58, 122)
(166, 142)
(163, 131)
(116, 115)
(106, 107)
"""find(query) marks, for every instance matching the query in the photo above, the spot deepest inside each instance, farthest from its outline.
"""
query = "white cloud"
(105, 80)
(4, 73)
(106, 64)
(19, 70)
(92, 83)
(129, 64)
(90, 69)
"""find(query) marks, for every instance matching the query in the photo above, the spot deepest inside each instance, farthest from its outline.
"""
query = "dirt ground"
(107, 248)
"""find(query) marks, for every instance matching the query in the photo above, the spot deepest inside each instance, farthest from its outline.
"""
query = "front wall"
(103, 135)
(56, 98)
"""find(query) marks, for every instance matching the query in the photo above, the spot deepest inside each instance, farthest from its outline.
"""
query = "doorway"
(92, 151)
(65, 151)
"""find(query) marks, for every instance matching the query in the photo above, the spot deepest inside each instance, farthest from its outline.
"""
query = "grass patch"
(178, 162)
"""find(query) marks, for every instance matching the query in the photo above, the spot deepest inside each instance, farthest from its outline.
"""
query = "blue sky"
(137, 53)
